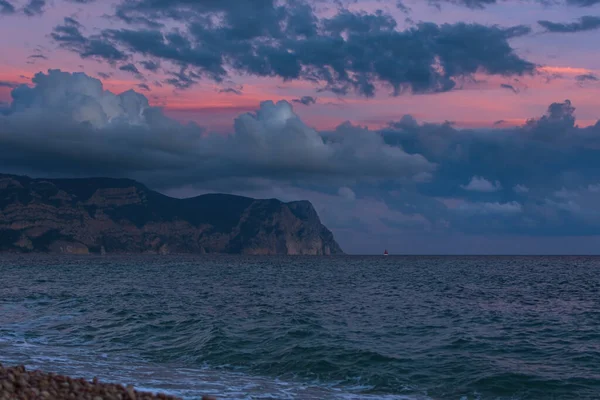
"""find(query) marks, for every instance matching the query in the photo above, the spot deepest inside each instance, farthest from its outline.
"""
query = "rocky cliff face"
(101, 215)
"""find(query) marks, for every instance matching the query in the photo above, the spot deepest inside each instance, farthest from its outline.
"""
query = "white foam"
(182, 381)
(187, 383)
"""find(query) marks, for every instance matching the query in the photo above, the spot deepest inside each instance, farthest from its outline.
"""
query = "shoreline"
(19, 383)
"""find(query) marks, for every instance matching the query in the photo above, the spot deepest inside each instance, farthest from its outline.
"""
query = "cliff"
(94, 215)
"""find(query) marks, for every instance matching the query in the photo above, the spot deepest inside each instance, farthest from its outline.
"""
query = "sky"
(417, 126)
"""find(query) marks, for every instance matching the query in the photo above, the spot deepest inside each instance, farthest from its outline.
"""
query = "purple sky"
(372, 194)
(477, 105)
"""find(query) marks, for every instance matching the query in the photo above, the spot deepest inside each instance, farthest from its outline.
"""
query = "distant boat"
(385, 253)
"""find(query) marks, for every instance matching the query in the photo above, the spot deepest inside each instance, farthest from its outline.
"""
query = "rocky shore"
(121, 216)
(16, 383)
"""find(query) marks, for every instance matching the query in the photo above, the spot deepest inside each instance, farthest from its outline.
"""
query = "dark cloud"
(480, 4)
(151, 66)
(70, 37)
(104, 75)
(509, 87)
(34, 56)
(306, 100)
(34, 7)
(31, 8)
(72, 21)
(67, 124)
(131, 68)
(145, 87)
(8, 84)
(349, 51)
(586, 77)
(182, 79)
(6, 7)
(466, 3)
(585, 23)
(559, 118)
(231, 90)
(583, 3)
(402, 7)
(505, 170)
(516, 31)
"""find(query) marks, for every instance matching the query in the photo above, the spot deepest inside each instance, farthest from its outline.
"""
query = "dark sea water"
(310, 327)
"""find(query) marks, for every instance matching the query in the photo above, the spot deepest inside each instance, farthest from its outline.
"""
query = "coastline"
(19, 383)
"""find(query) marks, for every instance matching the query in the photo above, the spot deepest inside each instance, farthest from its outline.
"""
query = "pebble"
(17, 383)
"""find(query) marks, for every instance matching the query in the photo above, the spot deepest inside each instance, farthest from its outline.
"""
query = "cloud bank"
(68, 124)
(540, 179)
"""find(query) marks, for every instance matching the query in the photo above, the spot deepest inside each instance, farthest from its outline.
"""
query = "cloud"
(31, 8)
(34, 7)
(306, 100)
(512, 207)
(479, 184)
(584, 79)
(8, 84)
(520, 188)
(585, 23)
(347, 52)
(68, 124)
(347, 193)
(583, 3)
(560, 116)
(69, 36)
(548, 155)
(231, 90)
(594, 188)
(563, 193)
(509, 87)
(402, 7)
(150, 65)
(6, 7)
(4, 108)
(475, 4)
(480, 4)
(131, 68)
(41, 56)
(516, 31)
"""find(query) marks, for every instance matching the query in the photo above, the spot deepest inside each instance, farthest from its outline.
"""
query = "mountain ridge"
(119, 215)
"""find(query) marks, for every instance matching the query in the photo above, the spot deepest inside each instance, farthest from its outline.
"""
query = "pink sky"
(475, 105)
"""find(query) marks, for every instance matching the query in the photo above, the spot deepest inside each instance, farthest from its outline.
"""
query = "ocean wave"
(348, 328)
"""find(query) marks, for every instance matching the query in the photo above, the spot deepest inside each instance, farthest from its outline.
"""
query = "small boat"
(385, 253)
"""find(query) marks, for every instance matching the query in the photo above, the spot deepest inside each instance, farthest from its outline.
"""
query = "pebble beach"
(17, 383)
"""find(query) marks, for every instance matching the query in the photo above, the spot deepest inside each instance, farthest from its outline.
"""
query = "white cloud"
(347, 193)
(594, 188)
(480, 184)
(512, 207)
(78, 98)
(564, 193)
(521, 189)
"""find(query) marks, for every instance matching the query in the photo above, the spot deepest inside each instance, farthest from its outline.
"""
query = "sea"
(339, 327)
